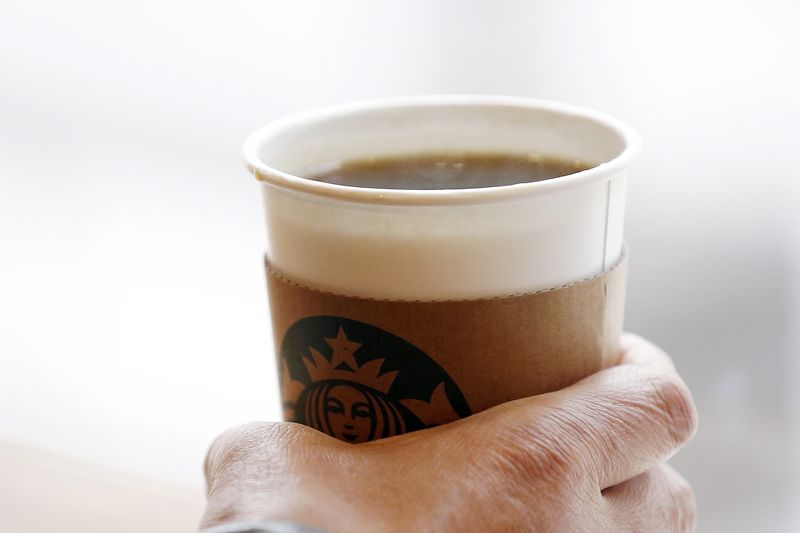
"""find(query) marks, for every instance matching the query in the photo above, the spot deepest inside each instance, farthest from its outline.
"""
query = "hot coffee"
(447, 170)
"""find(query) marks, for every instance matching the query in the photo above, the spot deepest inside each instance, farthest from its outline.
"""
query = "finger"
(612, 425)
(260, 447)
(657, 500)
(236, 445)
(250, 467)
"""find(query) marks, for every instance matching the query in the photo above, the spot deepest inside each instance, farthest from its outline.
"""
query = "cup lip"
(285, 180)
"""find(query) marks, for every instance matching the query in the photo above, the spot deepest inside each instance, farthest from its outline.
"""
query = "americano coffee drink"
(431, 257)
(446, 170)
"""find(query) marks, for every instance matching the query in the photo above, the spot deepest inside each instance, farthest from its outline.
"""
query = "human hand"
(586, 458)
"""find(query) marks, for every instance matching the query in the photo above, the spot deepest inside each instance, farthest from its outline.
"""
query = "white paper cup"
(442, 244)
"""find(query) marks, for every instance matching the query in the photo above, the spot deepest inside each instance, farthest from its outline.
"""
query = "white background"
(133, 318)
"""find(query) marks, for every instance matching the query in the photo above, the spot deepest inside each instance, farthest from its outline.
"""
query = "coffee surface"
(447, 171)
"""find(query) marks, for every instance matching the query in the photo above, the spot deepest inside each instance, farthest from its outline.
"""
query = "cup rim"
(285, 180)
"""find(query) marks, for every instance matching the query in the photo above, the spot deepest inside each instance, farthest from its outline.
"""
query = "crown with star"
(368, 374)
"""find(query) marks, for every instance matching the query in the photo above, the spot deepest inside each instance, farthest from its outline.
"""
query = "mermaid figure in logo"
(351, 402)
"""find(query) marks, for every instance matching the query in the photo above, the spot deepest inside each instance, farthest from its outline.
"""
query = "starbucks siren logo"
(358, 382)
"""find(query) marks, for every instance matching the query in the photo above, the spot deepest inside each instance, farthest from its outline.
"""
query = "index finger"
(640, 413)
(619, 422)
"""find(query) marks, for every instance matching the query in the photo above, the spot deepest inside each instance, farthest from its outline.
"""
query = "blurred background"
(133, 316)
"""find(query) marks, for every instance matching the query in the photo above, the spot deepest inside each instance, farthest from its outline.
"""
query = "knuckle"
(671, 400)
(237, 441)
(238, 445)
(247, 463)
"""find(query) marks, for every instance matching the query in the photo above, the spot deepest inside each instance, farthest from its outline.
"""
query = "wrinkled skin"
(583, 459)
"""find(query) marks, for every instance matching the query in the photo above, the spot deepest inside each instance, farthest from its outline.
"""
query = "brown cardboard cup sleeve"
(360, 369)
